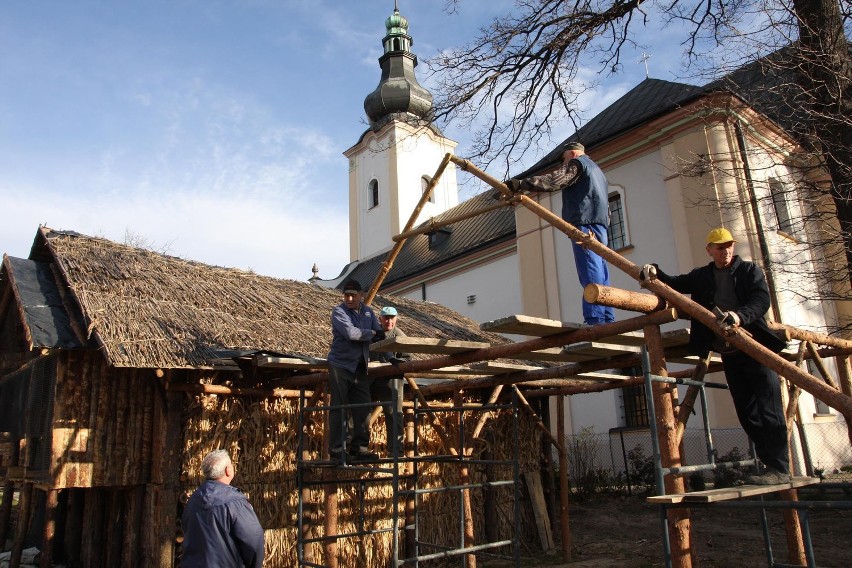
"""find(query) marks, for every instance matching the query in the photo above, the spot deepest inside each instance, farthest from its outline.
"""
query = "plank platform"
(591, 350)
(731, 493)
(500, 368)
(428, 345)
(528, 325)
(290, 363)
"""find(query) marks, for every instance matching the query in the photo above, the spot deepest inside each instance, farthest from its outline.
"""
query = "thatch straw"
(150, 310)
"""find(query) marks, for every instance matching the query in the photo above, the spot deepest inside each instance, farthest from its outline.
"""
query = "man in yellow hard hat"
(736, 290)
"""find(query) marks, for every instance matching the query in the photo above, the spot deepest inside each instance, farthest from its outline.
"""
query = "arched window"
(781, 204)
(424, 183)
(618, 236)
(372, 194)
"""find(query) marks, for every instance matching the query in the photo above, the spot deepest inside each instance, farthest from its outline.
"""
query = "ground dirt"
(625, 532)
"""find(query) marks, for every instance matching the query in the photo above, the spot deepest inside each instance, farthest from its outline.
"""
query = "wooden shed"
(120, 368)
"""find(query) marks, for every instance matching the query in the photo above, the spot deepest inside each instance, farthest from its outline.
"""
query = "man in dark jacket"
(585, 204)
(220, 527)
(736, 289)
(353, 327)
(389, 390)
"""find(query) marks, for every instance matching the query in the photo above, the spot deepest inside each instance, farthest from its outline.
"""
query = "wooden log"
(538, 422)
(486, 415)
(410, 518)
(845, 378)
(564, 528)
(433, 225)
(735, 336)
(812, 336)
(820, 365)
(49, 528)
(464, 479)
(622, 299)
(793, 528)
(684, 409)
(397, 247)
(25, 505)
(234, 391)
(8, 494)
(664, 397)
(330, 522)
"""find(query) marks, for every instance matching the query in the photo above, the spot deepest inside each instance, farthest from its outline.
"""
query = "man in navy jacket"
(220, 527)
(354, 325)
(737, 289)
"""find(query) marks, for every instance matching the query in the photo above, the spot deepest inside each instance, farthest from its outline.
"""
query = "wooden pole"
(8, 495)
(397, 247)
(688, 403)
(564, 528)
(538, 422)
(845, 379)
(24, 514)
(820, 365)
(622, 299)
(813, 337)
(464, 479)
(735, 336)
(330, 523)
(410, 504)
(665, 396)
(233, 391)
(49, 532)
(433, 225)
(486, 415)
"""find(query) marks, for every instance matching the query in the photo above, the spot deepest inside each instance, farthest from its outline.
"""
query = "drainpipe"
(761, 238)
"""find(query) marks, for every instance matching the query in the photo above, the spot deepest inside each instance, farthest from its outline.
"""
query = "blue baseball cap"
(389, 312)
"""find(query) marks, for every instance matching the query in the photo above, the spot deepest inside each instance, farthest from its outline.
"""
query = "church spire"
(398, 95)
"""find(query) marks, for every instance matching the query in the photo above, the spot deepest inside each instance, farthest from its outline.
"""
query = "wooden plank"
(675, 337)
(290, 363)
(528, 325)
(539, 507)
(452, 371)
(553, 355)
(593, 350)
(731, 493)
(428, 345)
(499, 367)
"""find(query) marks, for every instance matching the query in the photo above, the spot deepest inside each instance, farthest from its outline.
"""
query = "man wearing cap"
(736, 290)
(389, 390)
(585, 204)
(353, 327)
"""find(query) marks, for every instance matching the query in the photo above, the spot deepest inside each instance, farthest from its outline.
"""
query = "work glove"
(648, 272)
(729, 319)
(393, 360)
(380, 335)
(513, 184)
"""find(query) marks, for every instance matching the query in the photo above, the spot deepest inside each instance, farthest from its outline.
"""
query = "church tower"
(395, 158)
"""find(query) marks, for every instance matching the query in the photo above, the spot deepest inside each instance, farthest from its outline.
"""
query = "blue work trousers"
(592, 269)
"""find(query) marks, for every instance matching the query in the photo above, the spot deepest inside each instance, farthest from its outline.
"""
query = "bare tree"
(518, 79)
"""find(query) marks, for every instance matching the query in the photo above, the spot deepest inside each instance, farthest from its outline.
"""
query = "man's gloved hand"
(380, 335)
(729, 319)
(393, 360)
(648, 272)
(513, 184)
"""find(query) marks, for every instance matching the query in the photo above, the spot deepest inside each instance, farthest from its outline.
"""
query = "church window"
(373, 194)
(618, 235)
(781, 205)
(424, 183)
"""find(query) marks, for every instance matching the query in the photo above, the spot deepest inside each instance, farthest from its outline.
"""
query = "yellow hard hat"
(720, 235)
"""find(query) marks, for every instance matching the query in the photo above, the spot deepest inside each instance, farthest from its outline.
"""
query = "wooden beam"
(528, 325)
(428, 345)
(564, 527)
(622, 299)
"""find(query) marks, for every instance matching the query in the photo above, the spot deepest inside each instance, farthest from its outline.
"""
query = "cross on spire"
(644, 59)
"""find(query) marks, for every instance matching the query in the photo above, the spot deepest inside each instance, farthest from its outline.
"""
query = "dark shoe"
(338, 457)
(769, 477)
(363, 456)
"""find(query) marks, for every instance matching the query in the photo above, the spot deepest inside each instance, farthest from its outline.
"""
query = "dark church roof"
(458, 240)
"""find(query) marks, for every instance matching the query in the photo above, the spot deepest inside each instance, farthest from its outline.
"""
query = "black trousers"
(349, 388)
(756, 391)
(389, 392)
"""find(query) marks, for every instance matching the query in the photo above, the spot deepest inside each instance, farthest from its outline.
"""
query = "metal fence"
(622, 458)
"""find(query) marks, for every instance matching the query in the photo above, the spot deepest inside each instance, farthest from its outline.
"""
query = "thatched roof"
(149, 310)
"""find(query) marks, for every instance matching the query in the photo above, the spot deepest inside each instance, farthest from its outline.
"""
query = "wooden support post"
(664, 399)
(480, 424)
(820, 365)
(8, 496)
(845, 378)
(538, 422)
(410, 511)
(308, 512)
(49, 532)
(684, 409)
(464, 479)
(564, 528)
(793, 529)
(330, 524)
(25, 501)
(439, 429)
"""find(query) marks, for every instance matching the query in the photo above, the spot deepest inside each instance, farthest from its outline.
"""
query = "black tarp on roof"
(44, 312)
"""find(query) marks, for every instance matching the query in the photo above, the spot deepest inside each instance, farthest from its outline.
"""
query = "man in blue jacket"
(353, 326)
(737, 290)
(220, 527)
(585, 204)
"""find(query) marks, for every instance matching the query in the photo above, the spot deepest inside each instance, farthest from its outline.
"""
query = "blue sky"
(211, 130)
